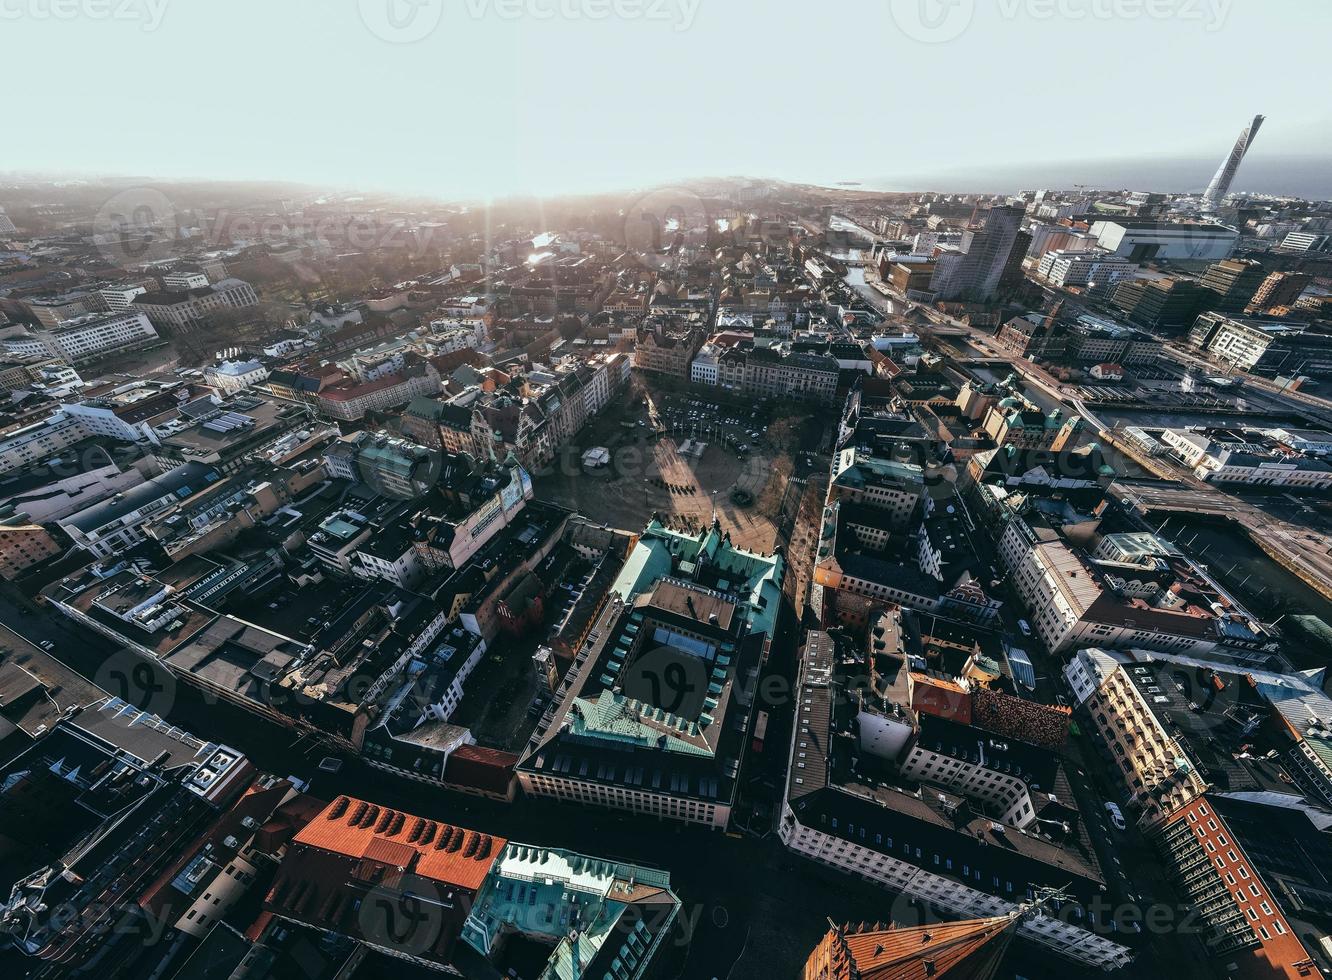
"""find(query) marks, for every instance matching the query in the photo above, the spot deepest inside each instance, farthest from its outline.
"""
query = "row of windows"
(614, 796)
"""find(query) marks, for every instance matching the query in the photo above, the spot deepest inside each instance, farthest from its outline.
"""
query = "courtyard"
(672, 454)
(648, 475)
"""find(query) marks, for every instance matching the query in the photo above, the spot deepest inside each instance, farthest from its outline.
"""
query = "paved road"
(1132, 868)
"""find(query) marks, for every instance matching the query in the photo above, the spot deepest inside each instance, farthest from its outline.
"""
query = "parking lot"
(740, 429)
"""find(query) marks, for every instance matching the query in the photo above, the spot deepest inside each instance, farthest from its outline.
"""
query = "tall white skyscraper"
(1220, 185)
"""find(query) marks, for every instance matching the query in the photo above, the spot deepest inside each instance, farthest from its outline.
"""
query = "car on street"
(1025, 627)
(1116, 816)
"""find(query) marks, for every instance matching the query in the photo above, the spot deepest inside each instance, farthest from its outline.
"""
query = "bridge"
(1302, 551)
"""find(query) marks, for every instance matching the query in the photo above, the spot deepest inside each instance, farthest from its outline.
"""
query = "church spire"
(969, 950)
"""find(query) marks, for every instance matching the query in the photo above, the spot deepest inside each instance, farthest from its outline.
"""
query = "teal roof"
(855, 466)
(573, 900)
(755, 578)
(617, 718)
(340, 529)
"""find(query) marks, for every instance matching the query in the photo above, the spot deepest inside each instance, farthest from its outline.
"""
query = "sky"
(476, 98)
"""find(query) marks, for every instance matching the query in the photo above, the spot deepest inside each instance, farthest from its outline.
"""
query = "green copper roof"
(615, 717)
(755, 578)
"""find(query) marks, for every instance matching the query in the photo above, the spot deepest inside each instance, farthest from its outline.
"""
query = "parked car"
(1025, 627)
(1116, 816)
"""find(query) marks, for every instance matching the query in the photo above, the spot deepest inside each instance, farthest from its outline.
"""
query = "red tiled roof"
(439, 851)
(489, 770)
(941, 698)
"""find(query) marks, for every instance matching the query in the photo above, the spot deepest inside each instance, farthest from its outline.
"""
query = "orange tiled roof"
(970, 950)
(428, 848)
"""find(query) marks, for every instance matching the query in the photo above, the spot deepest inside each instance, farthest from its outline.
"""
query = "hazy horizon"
(476, 98)
(1296, 176)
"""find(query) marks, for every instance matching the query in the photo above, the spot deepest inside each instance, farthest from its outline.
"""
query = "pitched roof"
(969, 950)
(445, 853)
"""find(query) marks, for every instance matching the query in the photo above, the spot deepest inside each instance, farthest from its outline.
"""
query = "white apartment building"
(1188, 445)
(36, 442)
(1002, 793)
(1054, 584)
(118, 523)
(703, 369)
(184, 280)
(230, 377)
(101, 420)
(85, 338)
(285, 346)
(183, 310)
(597, 389)
(119, 298)
(1268, 470)
(371, 562)
(450, 333)
(467, 306)
(1071, 608)
(1066, 268)
(938, 891)
(1088, 669)
(1243, 342)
